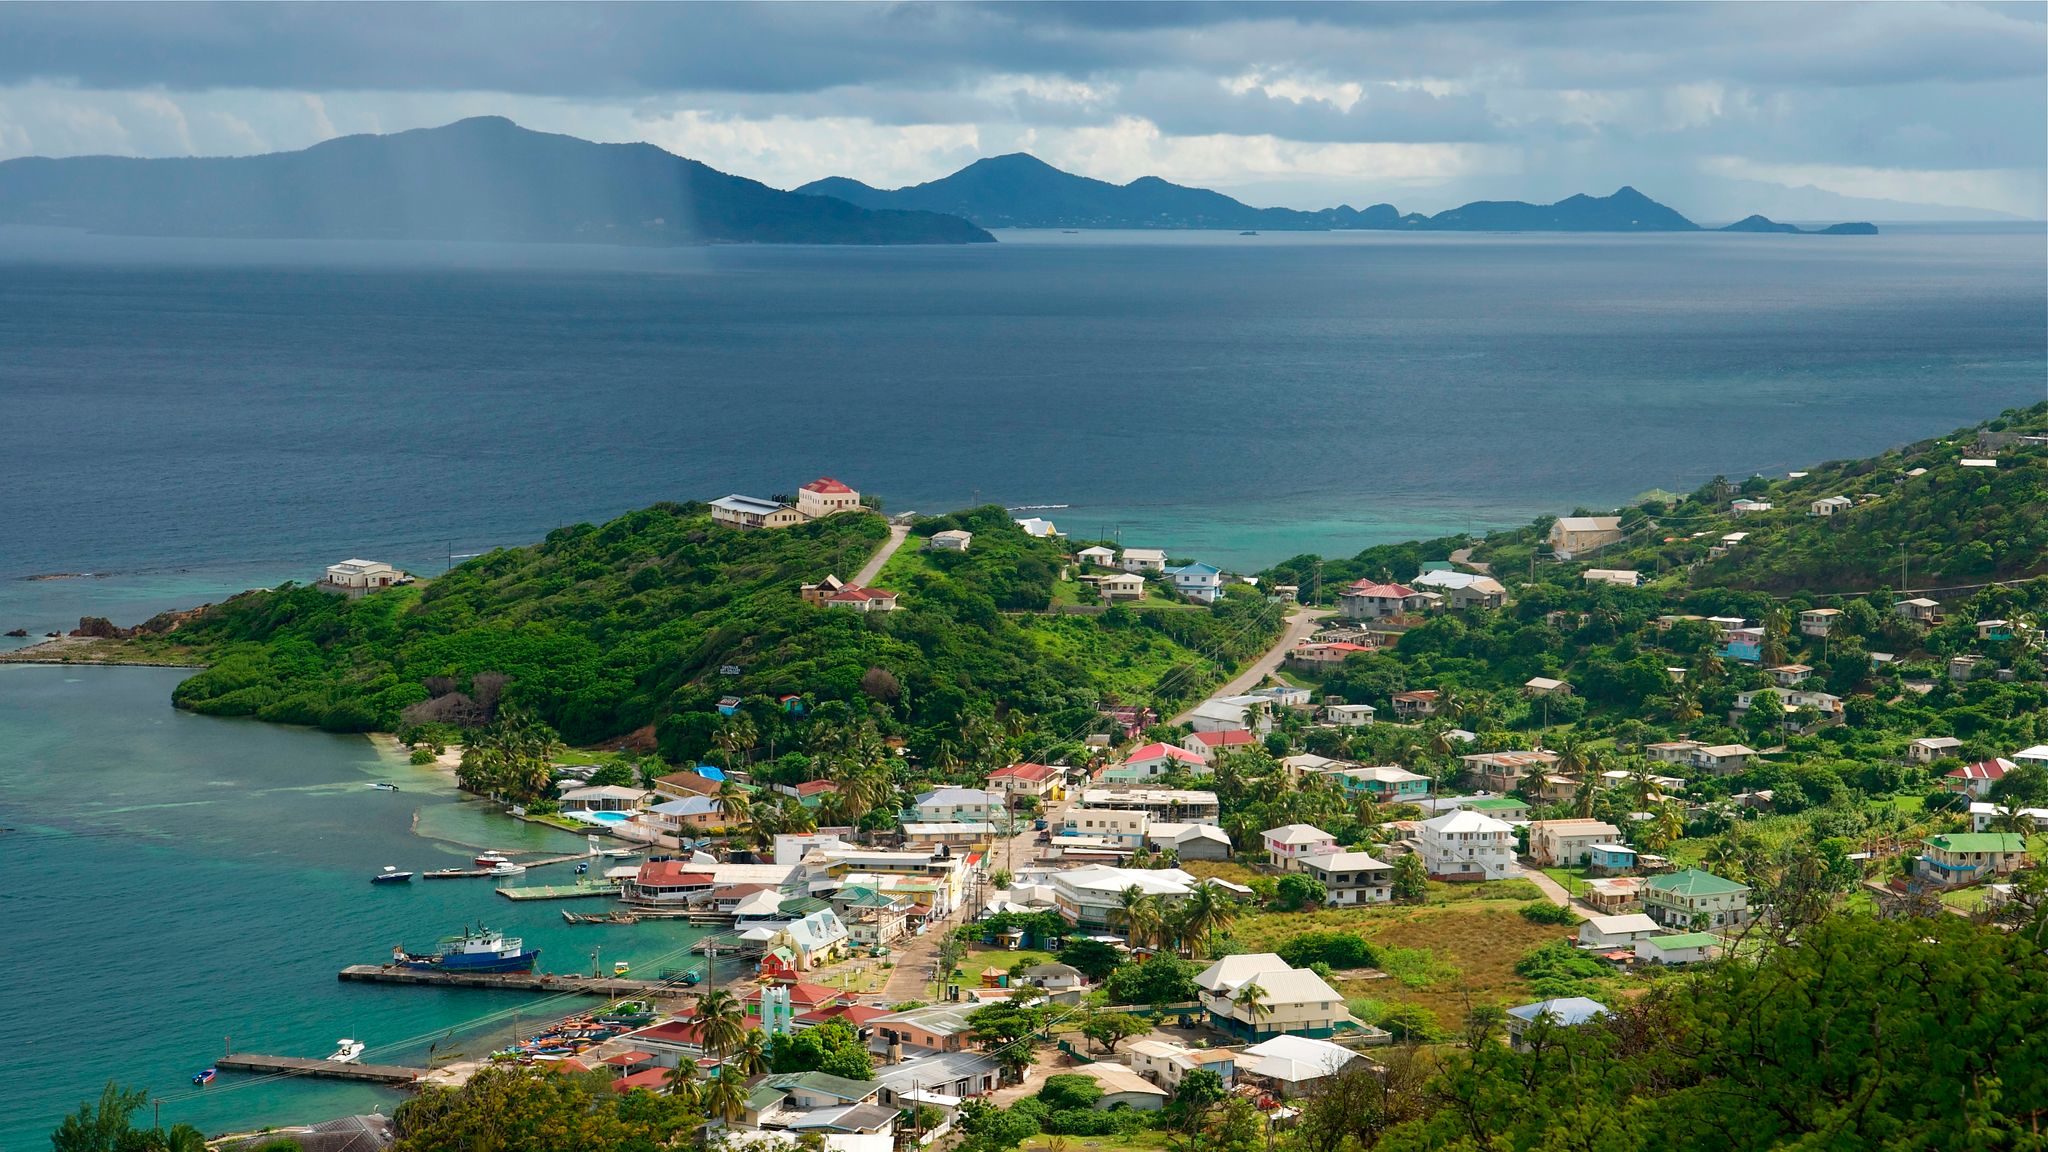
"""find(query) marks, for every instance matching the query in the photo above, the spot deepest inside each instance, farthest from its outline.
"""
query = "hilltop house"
(1791, 700)
(1420, 702)
(1618, 931)
(356, 578)
(1282, 999)
(1166, 1063)
(951, 540)
(1574, 534)
(1829, 505)
(1142, 560)
(1210, 746)
(1928, 749)
(1818, 621)
(1119, 586)
(1970, 857)
(1098, 556)
(1152, 761)
(1350, 877)
(1387, 783)
(1919, 610)
(1623, 577)
(832, 592)
(737, 511)
(1198, 582)
(1348, 715)
(1026, 779)
(1681, 899)
(1463, 590)
(1468, 846)
(1564, 1012)
(824, 496)
(1678, 948)
(1568, 842)
(1976, 779)
(1290, 843)
(1371, 600)
(1505, 771)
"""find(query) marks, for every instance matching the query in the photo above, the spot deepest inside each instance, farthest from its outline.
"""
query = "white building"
(1089, 896)
(1467, 845)
(824, 496)
(354, 578)
(1618, 931)
(1290, 843)
(1199, 582)
(737, 511)
(952, 540)
(1142, 560)
(1351, 877)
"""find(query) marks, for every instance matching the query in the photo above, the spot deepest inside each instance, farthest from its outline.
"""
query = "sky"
(1888, 111)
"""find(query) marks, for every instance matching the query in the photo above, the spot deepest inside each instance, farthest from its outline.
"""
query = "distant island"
(1021, 191)
(481, 179)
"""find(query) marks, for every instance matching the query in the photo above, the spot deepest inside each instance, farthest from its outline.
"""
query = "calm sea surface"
(187, 419)
(168, 881)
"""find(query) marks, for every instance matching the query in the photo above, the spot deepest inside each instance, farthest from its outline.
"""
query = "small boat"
(349, 1051)
(508, 868)
(382, 786)
(391, 875)
(1070, 231)
(490, 859)
(621, 968)
(476, 949)
(205, 1076)
(1247, 233)
(582, 868)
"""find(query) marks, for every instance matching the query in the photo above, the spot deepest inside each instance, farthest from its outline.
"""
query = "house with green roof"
(802, 1091)
(1507, 808)
(1678, 948)
(1970, 857)
(1694, 898)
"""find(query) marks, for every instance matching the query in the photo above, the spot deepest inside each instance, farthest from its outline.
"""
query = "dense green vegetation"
(630, 629)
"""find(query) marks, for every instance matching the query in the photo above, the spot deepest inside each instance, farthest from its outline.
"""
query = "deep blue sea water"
(186, 419)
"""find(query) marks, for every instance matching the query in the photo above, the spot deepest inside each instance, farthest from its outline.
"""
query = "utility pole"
(1903, 584)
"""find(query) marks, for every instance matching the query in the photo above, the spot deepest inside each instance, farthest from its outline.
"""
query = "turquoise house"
(1611, 858)
(1385, 783)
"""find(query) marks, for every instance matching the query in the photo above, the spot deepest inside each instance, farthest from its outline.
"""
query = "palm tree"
(735, 736)
(1571, 752)
(726, 1097)
(2012, 819)
(734, 805)
(1670, 822)
(1641, 787)
(1129, 911)
(1252, 998)
(682, 1083)
(1723, 860)
(750, 1059)
(1204, 913)
(1582, 804)
(721, 1023)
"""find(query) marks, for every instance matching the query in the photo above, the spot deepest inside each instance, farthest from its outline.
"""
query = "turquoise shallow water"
(170, 880)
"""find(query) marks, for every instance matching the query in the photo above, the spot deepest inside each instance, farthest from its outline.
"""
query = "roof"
(1150, 881)
(689, 782)
(938, 1068)
(804, 993)
(858, 1015)
(1452, 823)
(1225, 739)
(1693, 882)
(1979, 842)
(1027, 771)
(825, 1084)
(1146, 554)
(1115, 1078)
(625, 1058)
(1683, 940)
(1294, 1059)
(1497, 804)
(1631, 922)
(959, 796)
(854, 593)
(650, 1079)
(1727, 750)
(688, 806)
(1589, 523)
(1348, 862)
(1994, 769)
(673, 873)
(1544, 683)
(1384, 773)
(1939, 742)
(825, 485)
(752, 505)
(1298, 834)
(1568, 1011)
(1169, 751)
(1576, 826)
(1198, 570)
(1231, 971)
(1383, 591)
(603, 792)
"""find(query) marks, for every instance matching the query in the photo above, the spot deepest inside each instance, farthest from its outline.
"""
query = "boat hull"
(481, 962)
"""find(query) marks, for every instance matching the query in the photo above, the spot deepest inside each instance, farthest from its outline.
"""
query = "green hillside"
(628, 629)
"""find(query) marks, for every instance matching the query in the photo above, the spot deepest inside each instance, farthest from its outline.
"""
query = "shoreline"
(99, 651)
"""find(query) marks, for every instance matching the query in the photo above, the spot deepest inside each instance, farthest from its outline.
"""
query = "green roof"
(1979, 842)
(825, 1084)
(1687, 940)
(1495, 804)
(1693, 882)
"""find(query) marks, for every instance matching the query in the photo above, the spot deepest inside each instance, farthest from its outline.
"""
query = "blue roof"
(1205, 569)
(1568, 1011)
(710, 773)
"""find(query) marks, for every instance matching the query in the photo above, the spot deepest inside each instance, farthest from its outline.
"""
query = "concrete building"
(1351, 877)
(1468, 846)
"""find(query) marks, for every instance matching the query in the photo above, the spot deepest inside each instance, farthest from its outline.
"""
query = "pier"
(472, 873)
(325, 1069)
(612, 986)
(577, 891)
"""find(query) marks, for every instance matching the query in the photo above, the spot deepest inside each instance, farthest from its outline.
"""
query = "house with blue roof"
(1563, 1012)
(1201, 582)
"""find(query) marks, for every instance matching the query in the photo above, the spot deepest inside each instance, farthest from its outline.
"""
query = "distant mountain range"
(479, 179)
(1021, 191)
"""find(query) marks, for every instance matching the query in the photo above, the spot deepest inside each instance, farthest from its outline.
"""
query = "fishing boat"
(490, 859)
(383, 786)
(205, 1076)
(348, 1052)
(478, 949)
(391, 875)
(508, 868)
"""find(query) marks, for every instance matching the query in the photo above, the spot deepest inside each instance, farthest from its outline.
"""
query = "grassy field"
(1131, 672)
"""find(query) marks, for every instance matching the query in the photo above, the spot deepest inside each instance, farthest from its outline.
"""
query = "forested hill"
(1950, 523)
(629, 629)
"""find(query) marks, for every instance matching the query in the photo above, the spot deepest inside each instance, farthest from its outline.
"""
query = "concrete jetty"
(613, 986)
(324, 1069)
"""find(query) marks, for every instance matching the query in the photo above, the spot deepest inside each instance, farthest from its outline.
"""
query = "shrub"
(1544, 912)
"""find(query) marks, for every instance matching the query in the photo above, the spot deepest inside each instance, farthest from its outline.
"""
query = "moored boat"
(205, 1076)
(491, 859)
(347, 1052)
(508, 868)
(478, 949)
(391, 875)
(383, 786)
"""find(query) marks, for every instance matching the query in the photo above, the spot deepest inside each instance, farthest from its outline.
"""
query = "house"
(1024, 780)
(1121, 1087)
(1928, 749)
(1166, 1063)
(1323, 655)
(1098, 556)
(1968, 666)
(873, 919)
(689, 812)
(825, 496)
(693, 783)
(1224, 713)
(1199, 582)
(1624, 577)
(1919, 610)
(817, 938)
(1158, 803)
(1563, 1012)
(1463, 590)
(1969, 857)
(1507, 808)
(1745, 506)
(1671, 751)
(737, 511)
(1036, 527)
(1610, 858)
(1788, 675)
(354, 578)
(1350, 878)
(933, 1028)
(1617, 931)
(1090, 896)
(1421, 702)
(1372, 600)
(668, 883)
(1679, 948)
(858, 598)
(1189, 841)
(958, 1075)
(1284, 696)
(1386, 783)
(949, 835)
(1289, 843)
(1818, 621)
(1537, 686)
(1683, 899)
(1111, 826)
(1723, 759)
(1131, 719)
(2038, 754)
(1152, 761)
(1568, 842)
(1614, 894)
(961, 805)
(1348, 715)
(1302, 765)
(1504, 771)
(1143, 560)
(1791, 700)
(1055, 977)
(1976, 779)
(1829, 505)
(951, 540)
(1284, 1000)
(1293, 1065)
(1212, 745)
(605, 798)
(1122, 586)
(1574, 534)
(1983, 813)
(1468, 846)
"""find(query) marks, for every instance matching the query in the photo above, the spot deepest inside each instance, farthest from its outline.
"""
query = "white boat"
(349, 1051)
(507, 868)
(382, 786)
(490, 859)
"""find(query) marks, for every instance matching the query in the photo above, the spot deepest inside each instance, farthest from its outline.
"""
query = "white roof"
(1617, 925)
(1384, 773)
(967, 826)
(959, 796)
(1096, 550)
(1298, 834)
(1116, 1078)
(1349, 862)
(1150, 881)
(752, 504)
(1462, 821)
(766, 902)
(1589, 523)
(1150, 555)
(1544, 683)
(603, 792)
(1292, 986)
(1232, 971)
(1294, 1059)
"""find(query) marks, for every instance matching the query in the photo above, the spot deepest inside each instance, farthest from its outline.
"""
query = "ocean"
(185, 419)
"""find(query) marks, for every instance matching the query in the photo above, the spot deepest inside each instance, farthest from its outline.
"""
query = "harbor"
(548, 982)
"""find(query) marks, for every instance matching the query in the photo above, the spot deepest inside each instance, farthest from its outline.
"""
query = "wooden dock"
(577, 891)
(325, 1069)
(614, 986)
(471, 873)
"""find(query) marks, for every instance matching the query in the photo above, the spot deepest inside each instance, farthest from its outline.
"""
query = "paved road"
(873, 567)
(1464, 556)
(1300, 626)
(1552, 890)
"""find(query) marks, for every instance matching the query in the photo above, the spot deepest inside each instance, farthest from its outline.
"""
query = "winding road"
(1300, 626)
(873, 567)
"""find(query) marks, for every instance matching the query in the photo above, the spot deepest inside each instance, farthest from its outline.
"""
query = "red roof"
(668, 1032)
(806, 995)
(1388, 591)
(826, 484)
(625, 1058)
(690, 782)
(1984, 770)
(653, 1079)
(856, 592)
(1032, 772)
(1338, 646)
(1167, 751)
(672, 874)
(858, 1015)
(1224, 739)
(814, 787)
(1418, 694)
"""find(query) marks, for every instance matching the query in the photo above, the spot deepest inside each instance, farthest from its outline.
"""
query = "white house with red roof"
(1024, 780)
(1976, 779)
(832, 592)
(1371, 600)
(824, 496)
(1153, 761)
(1210, 745)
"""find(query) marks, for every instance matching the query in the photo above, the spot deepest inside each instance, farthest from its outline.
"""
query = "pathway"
(1551, 889)
(1300, 626)
(1463, 556)
(874, 567)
